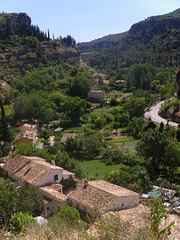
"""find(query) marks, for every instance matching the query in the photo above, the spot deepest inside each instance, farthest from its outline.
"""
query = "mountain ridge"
(156, 41)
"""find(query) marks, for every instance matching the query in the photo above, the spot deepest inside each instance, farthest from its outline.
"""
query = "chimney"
(85, 184)
(53, 161)
(29, 165)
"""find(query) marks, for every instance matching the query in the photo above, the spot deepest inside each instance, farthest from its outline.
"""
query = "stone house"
(54, 198)
(97, 197)
(33, 171)
(99, 95)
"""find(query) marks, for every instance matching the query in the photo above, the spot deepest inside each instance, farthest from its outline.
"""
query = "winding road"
(153, 114)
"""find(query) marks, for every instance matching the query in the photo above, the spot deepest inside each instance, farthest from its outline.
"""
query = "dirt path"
(94, 73)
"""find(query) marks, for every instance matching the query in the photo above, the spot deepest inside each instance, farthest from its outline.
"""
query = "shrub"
(70, 215)
(20, 221)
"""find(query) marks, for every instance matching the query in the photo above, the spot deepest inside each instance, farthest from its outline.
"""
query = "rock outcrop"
(155, 25)
(14, 23)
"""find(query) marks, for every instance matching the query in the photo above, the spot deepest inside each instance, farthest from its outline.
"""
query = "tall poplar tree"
(4, 130)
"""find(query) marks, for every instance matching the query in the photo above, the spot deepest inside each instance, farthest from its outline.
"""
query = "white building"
(99, 95)
(97, 197)
(54, 198)
(35, 171)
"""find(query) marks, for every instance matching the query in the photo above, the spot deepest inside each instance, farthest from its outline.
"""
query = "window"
(47, 208)
(55, 177)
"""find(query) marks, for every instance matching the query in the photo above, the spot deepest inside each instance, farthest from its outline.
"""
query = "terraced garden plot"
(97, 169)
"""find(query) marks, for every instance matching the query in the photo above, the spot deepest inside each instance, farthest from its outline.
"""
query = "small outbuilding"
(99, 95)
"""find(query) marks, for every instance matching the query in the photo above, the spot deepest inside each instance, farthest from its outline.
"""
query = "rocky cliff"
(155, 25)
(14, 23)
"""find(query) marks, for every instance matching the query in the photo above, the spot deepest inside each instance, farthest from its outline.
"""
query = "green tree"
(73, 108)
(141, 76)
(69, 163)
(34, 106)
(135, 107)
(135, 127)
(161, 155)
(5, 135)
(30, 201)
(70, 215)
(58, 98)
(81, 85)
(31, 150)
(8, 201)
(158, 214)
(135, 178)
(164, 92)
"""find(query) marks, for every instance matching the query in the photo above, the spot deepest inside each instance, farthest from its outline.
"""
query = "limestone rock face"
(156, 26)
(16, 22)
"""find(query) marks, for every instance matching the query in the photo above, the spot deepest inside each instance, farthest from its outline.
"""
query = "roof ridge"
(101, 189)
(111, 184)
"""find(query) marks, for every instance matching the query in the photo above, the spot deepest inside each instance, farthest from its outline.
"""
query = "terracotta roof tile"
(50, 192)
(112, 188)
(33, 173)
(98, 194)
(93, 197)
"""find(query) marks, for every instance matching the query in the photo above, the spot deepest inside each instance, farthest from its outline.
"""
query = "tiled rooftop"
(93, 197)
(52, 193)
(98, 194)
(112, 188)
(30, 169)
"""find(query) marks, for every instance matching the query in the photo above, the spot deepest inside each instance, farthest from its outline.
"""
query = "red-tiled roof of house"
(51, 193)
(30, 169)
(98, 195)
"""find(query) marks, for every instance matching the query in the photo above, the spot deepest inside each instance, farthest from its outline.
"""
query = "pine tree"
(4, 130)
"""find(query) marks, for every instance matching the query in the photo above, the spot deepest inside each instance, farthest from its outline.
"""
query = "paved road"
(153, 114)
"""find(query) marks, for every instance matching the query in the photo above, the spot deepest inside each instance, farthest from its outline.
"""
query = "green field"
(96, 169)
(119, 140)
(74, 130)
(127, 142)
(111, 95)
(131, 146)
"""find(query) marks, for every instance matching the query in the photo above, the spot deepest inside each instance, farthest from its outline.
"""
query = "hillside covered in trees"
(155, 41)
(43, 82)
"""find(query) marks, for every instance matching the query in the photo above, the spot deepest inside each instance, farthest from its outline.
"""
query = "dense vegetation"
(47, 85)
(154, 41)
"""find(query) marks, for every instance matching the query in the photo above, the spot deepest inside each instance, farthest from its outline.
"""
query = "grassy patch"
(101, 110)
(111, 95)
(119, 140)
(98, 112)
(96, 169)
(131, 145)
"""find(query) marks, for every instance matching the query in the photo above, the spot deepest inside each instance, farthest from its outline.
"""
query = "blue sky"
(86, 20)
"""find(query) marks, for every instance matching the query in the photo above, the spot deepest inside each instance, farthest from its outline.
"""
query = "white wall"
(124, 202)
(67, 176)
(96, 95)
(50, 177)
(54, 206)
